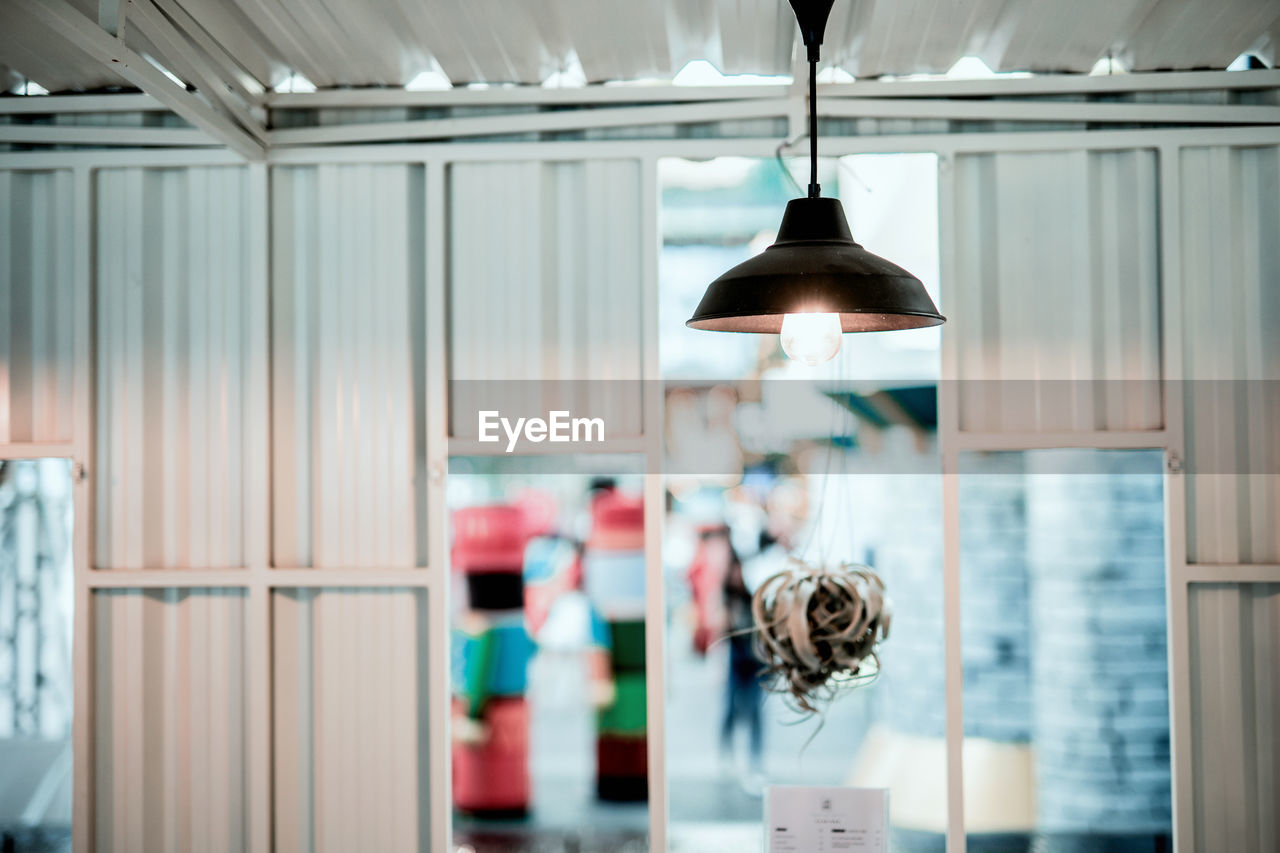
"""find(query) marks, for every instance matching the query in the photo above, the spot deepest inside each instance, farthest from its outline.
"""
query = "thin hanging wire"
(777, 155)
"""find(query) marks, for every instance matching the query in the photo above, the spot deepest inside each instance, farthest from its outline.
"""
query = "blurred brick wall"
(1063, 609)
(1099, 675)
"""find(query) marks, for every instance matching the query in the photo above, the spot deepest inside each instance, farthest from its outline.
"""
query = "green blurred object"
(627, 642)
(627, 715)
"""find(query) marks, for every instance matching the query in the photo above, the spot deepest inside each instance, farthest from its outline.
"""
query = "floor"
(709, 808)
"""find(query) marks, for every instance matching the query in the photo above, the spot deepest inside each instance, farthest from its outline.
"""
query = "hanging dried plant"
(817, 630)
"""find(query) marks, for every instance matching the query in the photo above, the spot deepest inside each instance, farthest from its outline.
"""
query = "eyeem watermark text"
(559, 426)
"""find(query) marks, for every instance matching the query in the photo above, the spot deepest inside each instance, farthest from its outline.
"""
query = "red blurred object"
(622, 756)
(622, 769)
(489, 538)
(617, 522)
(493, 776)
(707, 571)
(539, 511)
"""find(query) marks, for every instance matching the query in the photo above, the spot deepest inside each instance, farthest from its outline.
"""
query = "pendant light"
(815, 282)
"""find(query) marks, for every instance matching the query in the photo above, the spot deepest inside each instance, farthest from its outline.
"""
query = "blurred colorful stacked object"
(491, 649)
(614, 579)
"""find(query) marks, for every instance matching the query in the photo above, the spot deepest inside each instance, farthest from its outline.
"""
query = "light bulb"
(811, 338)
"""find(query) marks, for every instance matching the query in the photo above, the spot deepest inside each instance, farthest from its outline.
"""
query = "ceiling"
(390, 42)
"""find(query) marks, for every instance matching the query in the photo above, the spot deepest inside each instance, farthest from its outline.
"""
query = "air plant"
(817, 630)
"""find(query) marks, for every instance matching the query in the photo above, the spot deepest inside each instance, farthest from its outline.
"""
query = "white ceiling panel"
(755, 36)
(1181, 34)
(389, 42)
(47, 57)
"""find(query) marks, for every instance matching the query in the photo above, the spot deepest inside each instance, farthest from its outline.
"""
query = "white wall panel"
(37, 357)
(545, 284)
(181, 334)
(1235, 687)
(169, 721)
(1056, 278)
(1230, 251)
(351, 709)
(348, 360)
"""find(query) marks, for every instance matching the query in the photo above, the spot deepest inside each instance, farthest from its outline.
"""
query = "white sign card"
(801, 819)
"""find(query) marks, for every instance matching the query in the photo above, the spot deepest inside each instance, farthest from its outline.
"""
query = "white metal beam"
(635, 106)
(1177, 603)
(435, 323)
(495, 96)
(559, 120)
(960, 110)
(1227, 573)
(248, 86)
(68, 104)
(1106, 440)
(89, 37)
(82, 725)
(175, 50)
(112, 16)
(948, 431)
(450, 128)
(654, 406)
(1043, 111)
(1047, 84)
(1055, 84)
(160, 578)
(37, 450)
(59, 134)
(257, 539)
(832, 146)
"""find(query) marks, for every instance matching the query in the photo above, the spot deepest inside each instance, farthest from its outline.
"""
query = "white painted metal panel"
(1176, 34)
(646, 53)
(1230, 255)
(1056, 285)
(871, 39)
(169, 720)
(51, 59)
(755, 36)
(1235, 687)
(389, 42)
(179, 346)
(351, 712)
(348, 386)
(37, 358)
(545, 284)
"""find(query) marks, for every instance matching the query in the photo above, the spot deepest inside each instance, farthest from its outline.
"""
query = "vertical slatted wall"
(180, 345)
(350, 720)
(1066, 291)
(170, 721)
(37, 358)
(545, 283)
(1231, 329)
(1230, 259)
(1235, 678)
(1057, 278)
(347, 341)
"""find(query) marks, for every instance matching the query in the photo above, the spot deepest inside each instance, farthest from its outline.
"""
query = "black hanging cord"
(814, 189)
(811, 15)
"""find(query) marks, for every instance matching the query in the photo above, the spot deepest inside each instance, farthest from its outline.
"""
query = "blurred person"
(491, 649)
(744, 694)
(708, 571)
(613, 577)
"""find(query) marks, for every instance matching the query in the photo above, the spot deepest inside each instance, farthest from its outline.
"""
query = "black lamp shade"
(815, 267)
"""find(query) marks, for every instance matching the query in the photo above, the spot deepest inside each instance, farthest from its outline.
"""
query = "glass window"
(767, 458)
(1066, 706)
(548, 653)
(36, 600)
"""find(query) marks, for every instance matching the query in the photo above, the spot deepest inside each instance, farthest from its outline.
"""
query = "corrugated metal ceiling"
(389, 42)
